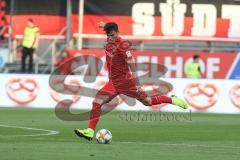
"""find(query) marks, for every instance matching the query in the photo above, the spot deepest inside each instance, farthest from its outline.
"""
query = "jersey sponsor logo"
(128, 53)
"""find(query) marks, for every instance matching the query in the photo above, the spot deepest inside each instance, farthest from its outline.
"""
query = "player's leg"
(105, 95)
(147, 100)
(95, 114)
(155, 100)
(23, 61)
(30, 63)
(100, 99)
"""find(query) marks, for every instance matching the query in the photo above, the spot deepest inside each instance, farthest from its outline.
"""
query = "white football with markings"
(104, 136)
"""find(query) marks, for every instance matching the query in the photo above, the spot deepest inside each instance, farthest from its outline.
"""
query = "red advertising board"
(213, 65)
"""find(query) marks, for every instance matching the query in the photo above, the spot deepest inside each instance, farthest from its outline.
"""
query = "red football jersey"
(117, 55)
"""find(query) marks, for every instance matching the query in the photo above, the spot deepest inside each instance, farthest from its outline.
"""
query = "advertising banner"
(211, 96)
(138, 19)
(171, 18)
(219, 65)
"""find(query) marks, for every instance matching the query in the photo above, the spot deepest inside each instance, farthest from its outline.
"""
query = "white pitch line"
(49, 132)
(181, 144)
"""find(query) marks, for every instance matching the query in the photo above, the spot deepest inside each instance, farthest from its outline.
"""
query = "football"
(104, 136)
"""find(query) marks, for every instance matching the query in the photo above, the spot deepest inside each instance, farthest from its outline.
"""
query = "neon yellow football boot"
(85, 133)
(179, 102)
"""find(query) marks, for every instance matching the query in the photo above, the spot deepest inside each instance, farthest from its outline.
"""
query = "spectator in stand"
(3, 29)
(29, 44)
(193, 69)
(62, 65)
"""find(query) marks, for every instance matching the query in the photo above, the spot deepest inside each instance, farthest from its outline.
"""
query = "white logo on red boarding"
(201, 96)
(22, 91)
(66, 91)
(234, 94)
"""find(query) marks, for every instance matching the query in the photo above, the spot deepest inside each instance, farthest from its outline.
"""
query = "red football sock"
(161, 99)
(94, 115)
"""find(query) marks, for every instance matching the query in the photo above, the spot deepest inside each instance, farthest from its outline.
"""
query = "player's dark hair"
(30, 20)
(111, 26)
(195, 57)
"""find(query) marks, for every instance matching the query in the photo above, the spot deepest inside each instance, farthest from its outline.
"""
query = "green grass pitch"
(206, 136)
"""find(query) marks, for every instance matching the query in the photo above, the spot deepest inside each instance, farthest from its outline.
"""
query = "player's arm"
(132, 68)
(37, 38)
(199, 69)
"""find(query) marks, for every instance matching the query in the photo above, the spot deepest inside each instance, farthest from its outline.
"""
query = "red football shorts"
(127, 88)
